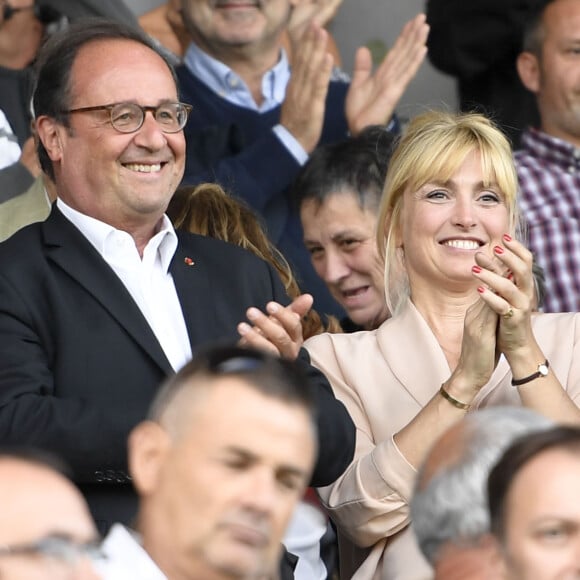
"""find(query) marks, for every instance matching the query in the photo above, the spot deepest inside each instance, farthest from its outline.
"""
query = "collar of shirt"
(126, 558)
(223, 81)
(106, 239)
(551, 149)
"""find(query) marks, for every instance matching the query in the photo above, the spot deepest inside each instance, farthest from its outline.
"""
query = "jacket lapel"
(192, 279)
(418, 360)
(73, 253)
(415, 356)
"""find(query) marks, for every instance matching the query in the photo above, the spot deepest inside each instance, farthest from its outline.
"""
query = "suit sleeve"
(87, 435)
(336, 431)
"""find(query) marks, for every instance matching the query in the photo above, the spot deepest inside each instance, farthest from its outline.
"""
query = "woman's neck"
(444, 312)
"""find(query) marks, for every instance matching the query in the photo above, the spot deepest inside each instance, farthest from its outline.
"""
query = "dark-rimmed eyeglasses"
(129, 117)
(60, 549)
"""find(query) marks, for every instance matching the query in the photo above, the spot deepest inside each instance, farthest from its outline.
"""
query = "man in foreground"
(100, 303)
(46, 529)
(226, 452)
(449, 505)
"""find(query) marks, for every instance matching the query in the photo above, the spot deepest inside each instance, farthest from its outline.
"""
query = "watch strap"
(541, 372)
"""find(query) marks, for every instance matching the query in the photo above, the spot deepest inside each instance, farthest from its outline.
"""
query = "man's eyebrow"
(70, 536)
(247, 455)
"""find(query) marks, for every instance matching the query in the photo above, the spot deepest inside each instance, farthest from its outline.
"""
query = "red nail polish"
(481, 289)
(507, 237)
(498, 250)
(476, 269)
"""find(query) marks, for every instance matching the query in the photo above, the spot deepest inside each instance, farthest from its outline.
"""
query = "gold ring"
(509, 313)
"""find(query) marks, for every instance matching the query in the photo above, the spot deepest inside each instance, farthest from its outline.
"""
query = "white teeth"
(139, 167)
(462, 244)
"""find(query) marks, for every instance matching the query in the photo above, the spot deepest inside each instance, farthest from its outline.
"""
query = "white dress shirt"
(147, 279)
(125, 558)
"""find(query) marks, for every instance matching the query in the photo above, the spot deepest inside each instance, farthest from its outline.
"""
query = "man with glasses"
(103, 300)
(226, 452)
(24, 24)
(46, 531)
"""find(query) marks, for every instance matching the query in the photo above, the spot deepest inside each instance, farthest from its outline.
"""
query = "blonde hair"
(432, 148)
(208, 210)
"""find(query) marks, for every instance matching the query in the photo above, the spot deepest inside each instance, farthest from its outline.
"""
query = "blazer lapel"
(413, 354)
(192, 279)
(73, 253)
(418, 361)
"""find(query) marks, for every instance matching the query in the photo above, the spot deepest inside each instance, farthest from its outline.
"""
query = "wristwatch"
(541, 372)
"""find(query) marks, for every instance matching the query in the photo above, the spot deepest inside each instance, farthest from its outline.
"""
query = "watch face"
(543, 370)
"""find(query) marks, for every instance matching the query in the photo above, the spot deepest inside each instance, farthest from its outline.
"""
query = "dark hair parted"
(55, 61)
(268, 374)
(357, 165)
(514, 459)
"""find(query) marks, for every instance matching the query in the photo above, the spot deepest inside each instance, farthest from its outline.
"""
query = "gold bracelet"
(453, 400)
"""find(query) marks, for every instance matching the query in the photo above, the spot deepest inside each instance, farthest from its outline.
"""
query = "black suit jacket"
(79, 364)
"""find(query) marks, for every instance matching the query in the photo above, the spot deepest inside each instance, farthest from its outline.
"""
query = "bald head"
(39, 503)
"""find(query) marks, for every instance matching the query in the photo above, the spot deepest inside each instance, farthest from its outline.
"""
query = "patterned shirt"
(549, 176)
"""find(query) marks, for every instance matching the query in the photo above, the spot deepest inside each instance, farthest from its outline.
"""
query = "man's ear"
(529, 70)
(149, 445)
(49, 132)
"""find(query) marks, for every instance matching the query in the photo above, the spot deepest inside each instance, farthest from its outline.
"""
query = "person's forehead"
(113, 61)
(545, 473)
(235, 413)
(562, 19)
(41, 502)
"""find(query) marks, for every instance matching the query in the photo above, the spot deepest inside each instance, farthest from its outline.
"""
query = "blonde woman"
(463, 334)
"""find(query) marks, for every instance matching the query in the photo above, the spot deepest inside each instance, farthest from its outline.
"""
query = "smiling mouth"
(462, 244)
(354, 292)
(144, 167)
(239, 4)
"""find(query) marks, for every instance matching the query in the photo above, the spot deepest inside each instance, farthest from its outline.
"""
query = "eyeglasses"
(60, 549)
(129, 117)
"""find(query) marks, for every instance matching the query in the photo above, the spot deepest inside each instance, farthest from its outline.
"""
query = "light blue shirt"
(223, 81)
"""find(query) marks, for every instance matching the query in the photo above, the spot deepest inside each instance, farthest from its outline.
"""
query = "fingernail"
(476, 269)
(507, 237)
(243, 328)
(498, 250)
(253, 313)
(481, 289)
(272, 307)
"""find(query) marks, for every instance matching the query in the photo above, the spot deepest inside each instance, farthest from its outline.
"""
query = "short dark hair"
(270, 375)
(516, 457)
(357, 165)
(55, 61)
(533, 35)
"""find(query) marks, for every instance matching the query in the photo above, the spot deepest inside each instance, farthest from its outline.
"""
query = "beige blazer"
(24, 209)
(385, 377)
